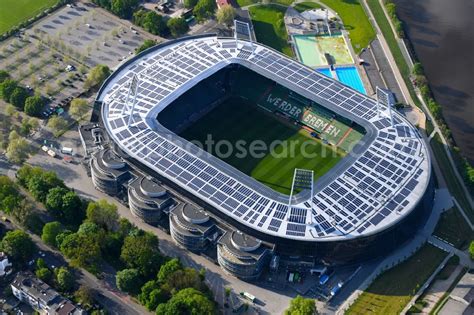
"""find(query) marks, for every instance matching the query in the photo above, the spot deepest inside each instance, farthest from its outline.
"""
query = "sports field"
(288, 147)
(13, 12)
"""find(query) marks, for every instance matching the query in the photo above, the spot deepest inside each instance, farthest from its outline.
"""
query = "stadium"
(370, 184)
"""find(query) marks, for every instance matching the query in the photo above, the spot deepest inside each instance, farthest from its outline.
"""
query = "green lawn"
(249, 123)
(448, 173)
(243, 3)
(303, 6)
(452, 227)
(392, 290)
(355, 21)
(13, 12)
(270, 27)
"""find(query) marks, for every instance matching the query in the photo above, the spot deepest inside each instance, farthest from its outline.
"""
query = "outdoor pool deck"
(351, 77)
(347, 75)
(307, 51)
(311, 49)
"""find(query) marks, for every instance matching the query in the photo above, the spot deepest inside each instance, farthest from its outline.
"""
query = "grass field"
(243, 3)
(355, 21)
(392, 290)
(249, 123)
(448, 173)
(13, 12)
(303, 6)
(452, 227)
(270, 28)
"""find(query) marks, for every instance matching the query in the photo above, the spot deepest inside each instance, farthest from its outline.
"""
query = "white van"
(66, 150)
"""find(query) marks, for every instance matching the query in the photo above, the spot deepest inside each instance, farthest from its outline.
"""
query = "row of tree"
(11, 92)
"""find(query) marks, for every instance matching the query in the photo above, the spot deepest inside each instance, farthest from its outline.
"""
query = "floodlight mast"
(383, 98)
(133, 90)
(245, 27)
(302, 179)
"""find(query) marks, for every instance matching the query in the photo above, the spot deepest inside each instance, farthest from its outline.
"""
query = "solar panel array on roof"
(379, 182)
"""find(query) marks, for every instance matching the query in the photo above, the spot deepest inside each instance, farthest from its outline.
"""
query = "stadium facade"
(370, 202)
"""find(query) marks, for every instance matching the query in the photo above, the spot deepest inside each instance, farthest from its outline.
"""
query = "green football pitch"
(13, 12)
(288, 147)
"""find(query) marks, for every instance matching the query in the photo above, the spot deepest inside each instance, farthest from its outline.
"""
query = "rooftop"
(192, 218)
(375, 186)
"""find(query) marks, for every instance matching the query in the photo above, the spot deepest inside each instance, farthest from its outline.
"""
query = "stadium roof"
(372, 188)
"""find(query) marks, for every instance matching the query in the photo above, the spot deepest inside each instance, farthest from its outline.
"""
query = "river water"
(442, 34)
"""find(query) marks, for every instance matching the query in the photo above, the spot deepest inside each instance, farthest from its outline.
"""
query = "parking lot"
(54, 56)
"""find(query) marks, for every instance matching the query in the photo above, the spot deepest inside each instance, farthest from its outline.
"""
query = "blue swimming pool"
(350, 76)
(325, 71)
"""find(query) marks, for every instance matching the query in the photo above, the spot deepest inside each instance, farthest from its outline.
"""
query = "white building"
(5, 265)
(39, 295)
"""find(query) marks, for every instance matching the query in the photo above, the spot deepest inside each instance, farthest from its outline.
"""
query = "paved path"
(437, 290)
(426, 284)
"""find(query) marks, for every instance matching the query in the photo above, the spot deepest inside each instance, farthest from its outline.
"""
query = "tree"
(151, 22)
(204, 9)
(54, 200)
(96, 76)
(85, 296)
(151, 295)
(417, 69)
(58, 124)
(11, 111)
(44, 274)
(184, 278)
(146, 44)
(83, 250)
(18, 97)
(123, 8)
(18, 245)
(6, 89)
(177, 26)
(50, 232)
(226, 14)
(169, 268)
(27, 125)
(187, 301)
(64, 279)
(301, 306)
(72, 211)
(103, 213)
(188, 4)
(40, 263)
(61, 236)
(9, 196)
(156, 297)
(34, 105)
(18, 150)
(3, 75)
(38, 181)
(142, 253)
(78, 108)
(128, 280)
(23, 213)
